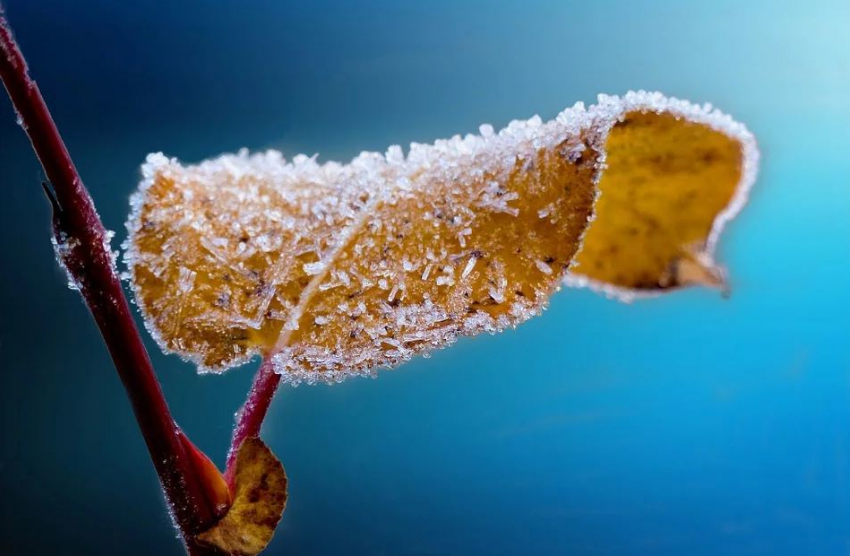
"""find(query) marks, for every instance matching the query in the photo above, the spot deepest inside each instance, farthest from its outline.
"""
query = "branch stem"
(249, 419)
(89, 262)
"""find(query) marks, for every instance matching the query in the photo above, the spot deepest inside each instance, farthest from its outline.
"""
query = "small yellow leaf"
(334, 270)
(258, 501)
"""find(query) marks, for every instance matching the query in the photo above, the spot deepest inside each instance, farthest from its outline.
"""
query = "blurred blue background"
(684, 425)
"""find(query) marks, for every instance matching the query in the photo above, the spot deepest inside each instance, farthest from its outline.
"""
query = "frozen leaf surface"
(259, 498)
(335, 270)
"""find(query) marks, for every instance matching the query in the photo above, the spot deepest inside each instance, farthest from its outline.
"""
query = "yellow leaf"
(334, 270)
(258, 501)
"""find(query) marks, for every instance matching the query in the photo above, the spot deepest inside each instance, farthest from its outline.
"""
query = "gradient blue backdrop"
(685, 425)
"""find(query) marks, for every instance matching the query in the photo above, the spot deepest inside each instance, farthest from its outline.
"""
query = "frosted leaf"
(107, 246)
(333, 270)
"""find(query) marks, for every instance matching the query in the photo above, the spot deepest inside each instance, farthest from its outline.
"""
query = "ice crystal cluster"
(335, 270)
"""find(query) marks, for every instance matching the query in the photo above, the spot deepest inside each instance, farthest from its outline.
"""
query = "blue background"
(684, 425)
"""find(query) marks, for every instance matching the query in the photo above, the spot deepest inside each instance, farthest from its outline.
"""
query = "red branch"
(249, 420)
(84, 249)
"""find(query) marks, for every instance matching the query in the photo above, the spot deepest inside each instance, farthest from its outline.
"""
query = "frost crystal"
(63, 246)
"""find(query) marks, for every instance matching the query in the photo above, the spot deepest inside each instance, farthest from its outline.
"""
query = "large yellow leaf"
(336, 270)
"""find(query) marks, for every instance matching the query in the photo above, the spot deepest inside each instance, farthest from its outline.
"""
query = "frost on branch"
(335, 269)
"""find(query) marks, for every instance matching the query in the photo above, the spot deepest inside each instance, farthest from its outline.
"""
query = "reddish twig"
(249, 420)
(84, 249)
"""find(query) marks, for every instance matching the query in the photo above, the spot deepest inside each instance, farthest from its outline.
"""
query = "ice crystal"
(63, 247)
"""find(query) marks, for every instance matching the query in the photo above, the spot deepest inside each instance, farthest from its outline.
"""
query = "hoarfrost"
(63, 247)
(544, 267)
(469, 266)
(185, 280)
